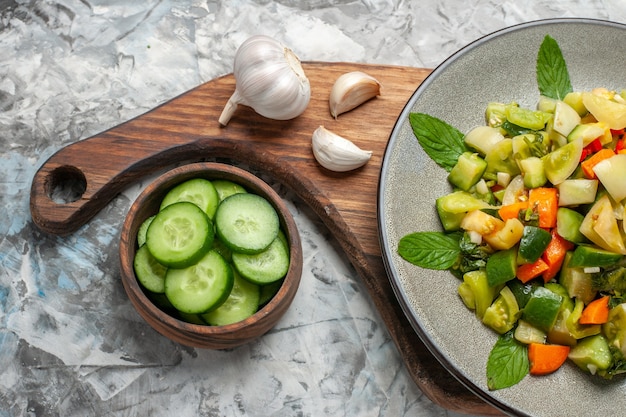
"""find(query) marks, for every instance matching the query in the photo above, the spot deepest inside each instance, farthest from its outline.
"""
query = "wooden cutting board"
(185, 129)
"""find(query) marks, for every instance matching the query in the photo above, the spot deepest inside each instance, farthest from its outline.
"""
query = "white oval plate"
(497, 67)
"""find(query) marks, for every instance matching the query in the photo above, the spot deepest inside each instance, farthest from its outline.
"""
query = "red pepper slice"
(595, 145)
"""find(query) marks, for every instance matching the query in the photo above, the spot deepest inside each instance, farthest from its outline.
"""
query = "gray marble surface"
(70, 342)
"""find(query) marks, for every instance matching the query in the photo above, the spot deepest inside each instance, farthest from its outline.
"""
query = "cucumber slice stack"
(213, 254)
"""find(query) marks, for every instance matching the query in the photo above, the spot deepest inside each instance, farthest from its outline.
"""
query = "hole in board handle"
(66, 184)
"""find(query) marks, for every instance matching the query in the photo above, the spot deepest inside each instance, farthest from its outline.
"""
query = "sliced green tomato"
(575, 100)
(605, 110)
(476, 293)
(600, 226)
(562, 162)
(149, 272)
(521, 148)
(199, 191)
(496, 114)
(246, 223)
(500, 158)
(483, 138)
(179, 235)
(200, 287)
(503, 313)
(242, 303)
(565, 118)
(615, 327)
(530, 119)
(480, 222)
(506, 237)
(574, 192)
(612, 174)
(227, 188)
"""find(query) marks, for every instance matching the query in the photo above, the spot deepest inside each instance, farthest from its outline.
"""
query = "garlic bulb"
(270, 79)
(337, 153)
(351, 90)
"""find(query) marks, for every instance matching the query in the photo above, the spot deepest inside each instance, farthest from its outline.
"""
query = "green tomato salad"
(534, 228)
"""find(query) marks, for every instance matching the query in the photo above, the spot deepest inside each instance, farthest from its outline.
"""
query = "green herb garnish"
(442, 142)
(431, 250)
(552, 75)
(508, 362)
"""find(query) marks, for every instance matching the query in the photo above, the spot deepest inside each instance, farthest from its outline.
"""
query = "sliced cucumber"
(143, 229)
(150, 273)
(191, 318)
(241, 304)
(199, 191)
(264, 267)
(269, 291)
(200, 287)
(179, 235)
(227, 188)
(246, 223)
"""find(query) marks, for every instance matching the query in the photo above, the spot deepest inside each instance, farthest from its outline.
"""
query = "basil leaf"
(431, 250)
(552, 75)
(442, 142)
(508, 362)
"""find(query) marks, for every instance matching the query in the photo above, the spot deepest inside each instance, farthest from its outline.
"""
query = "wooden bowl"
(205, 336)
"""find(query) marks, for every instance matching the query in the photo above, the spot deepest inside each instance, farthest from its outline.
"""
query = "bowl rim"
(210, 170)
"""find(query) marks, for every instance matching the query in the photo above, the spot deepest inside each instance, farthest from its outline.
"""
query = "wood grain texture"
(186, 129)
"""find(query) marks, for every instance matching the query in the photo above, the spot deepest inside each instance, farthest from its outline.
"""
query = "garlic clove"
(351, 90)
(337, 153)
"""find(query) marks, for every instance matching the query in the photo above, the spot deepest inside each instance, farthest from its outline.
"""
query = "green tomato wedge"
(562, 162)
(530, 119)
(605, 110)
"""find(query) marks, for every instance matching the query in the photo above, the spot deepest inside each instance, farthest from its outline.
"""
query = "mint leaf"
(442, 142)
(552, 75)
(508, 363)
(431, 250)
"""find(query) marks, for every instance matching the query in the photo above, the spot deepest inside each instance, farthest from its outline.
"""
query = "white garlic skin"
(337, 153)
(269, 79)
(351, 90)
